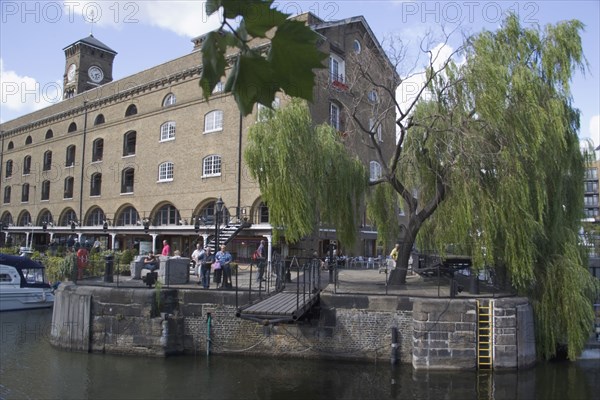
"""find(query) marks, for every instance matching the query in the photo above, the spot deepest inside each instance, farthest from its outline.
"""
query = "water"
(32, 369)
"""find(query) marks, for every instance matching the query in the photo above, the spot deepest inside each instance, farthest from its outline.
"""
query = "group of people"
(219, 263)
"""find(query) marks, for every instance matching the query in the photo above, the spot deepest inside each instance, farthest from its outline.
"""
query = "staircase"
(227, 233)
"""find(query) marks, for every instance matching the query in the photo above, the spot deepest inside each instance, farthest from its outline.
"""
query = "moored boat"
(23, 284)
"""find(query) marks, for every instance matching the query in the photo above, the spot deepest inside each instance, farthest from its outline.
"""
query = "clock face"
(95, 73)
(71, 72)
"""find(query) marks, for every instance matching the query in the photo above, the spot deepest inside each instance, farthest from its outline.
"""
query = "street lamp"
(218, 211)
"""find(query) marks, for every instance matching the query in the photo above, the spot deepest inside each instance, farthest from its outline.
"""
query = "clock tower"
(89, 64)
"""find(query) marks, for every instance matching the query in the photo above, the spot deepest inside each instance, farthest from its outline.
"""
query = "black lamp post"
(218, 211)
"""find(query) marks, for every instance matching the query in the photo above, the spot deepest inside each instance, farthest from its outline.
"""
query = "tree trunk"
(406, 241)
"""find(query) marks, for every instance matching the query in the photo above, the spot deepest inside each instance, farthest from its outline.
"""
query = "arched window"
(70, 156)
(128, 216)
(46, 190)
(213, 121)
(68, 189)
(99, 119)
(373, 96)
(10, 145)
(46, 217)
(169, 100)
(6, 198)
(8, 168)
(165, 172)
(127, 180)
(167, 131)
(96, 184)
(167, 215)
(28, 140)
(49, 134)
(68, 217)
(95, 218)
(129, 141)
(47, 164)
(97, 149)
(131, 110)
(25, 193)
(27, 165)
(72, 127)
(24, 219)
(263, 213)
(211, 166)
(374, 171)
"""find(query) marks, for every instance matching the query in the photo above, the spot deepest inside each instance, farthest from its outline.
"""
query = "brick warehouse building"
(145, 158)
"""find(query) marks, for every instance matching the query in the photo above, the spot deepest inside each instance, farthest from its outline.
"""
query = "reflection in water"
(31, 368)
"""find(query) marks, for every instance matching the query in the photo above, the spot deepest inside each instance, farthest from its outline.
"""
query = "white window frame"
(211, 166)
(334, 115)
(219, 87)
(374, 171)
(213, 121)
(337, 68)
(169, 100)
(167, 131)
(165, 171)
(378, 130)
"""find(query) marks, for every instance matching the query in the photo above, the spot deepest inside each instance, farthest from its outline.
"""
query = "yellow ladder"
(485, 329)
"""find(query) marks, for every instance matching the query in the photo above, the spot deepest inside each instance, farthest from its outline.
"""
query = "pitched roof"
(93, 42)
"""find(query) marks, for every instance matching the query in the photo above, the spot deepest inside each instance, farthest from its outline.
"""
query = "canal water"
(30, 368)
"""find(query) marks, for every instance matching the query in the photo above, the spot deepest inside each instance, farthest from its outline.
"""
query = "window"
(263, 112)
(591, 173)
(374, 171)
(6, 198)
(336, 69)
(27, 165)
(218, 87)
(99, 119)
(373, 96)
(97, 150)
(376, 131)
(96, 184)
(334, 116)
(169, 100)
(24, 219)
(127, 180)
(10, 146)
(47, 164)
(356, 46)
(68, 192)
(96, 218)
(129, 216)
(213, 121)
(167, 131)
(263, 213)
(211, 166)
(25, 193)
(9, 169)
(167, 215)
(46, 217)
(29, 140)
(129, 143)
(72, 127)
(68, 217)
(70, 156)
(49, 134)
(131, 110)
(46, 190)
(591, 187)
(165, 172)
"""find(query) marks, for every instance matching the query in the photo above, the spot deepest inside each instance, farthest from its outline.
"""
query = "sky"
(33, 35)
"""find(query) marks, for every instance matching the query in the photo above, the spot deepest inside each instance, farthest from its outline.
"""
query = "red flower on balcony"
(339, 85)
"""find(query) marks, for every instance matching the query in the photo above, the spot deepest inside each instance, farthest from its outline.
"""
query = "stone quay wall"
(429, 333)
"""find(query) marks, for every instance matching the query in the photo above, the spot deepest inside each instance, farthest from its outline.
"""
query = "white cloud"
(23, 94)
(595, 129)
(185, 18)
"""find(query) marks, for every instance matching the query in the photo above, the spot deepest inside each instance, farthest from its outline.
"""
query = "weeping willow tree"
(302, 169)
(493, 160)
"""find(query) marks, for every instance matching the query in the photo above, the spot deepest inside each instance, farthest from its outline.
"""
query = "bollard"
(395, 345)
(453, 288)
(108, 268)
(474, 283)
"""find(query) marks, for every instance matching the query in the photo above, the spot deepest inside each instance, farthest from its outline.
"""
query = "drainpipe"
(208, 321)
(85, 112)
(395, 345)
(239, 172)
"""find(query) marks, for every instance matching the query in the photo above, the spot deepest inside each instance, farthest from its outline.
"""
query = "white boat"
(23, 284)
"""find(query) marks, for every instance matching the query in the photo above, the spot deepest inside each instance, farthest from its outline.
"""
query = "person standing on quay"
(224, 258)
(261, 259)
(166, 250)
